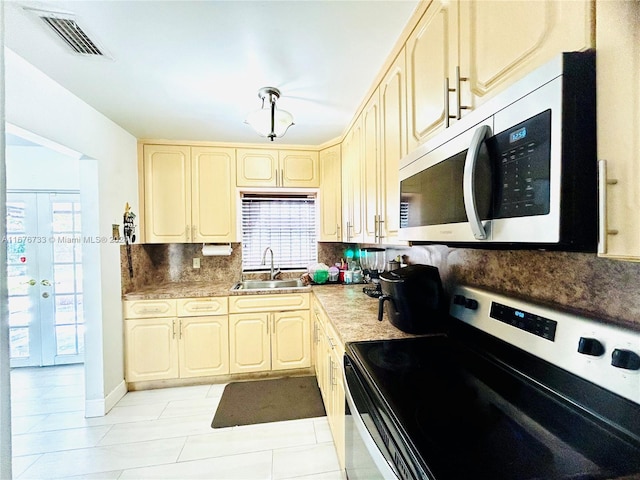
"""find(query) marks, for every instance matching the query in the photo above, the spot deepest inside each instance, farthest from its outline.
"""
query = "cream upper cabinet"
(501, 42)
(213, 213)
(299, 168)
(462, 52)
(273, 168)
(618, 94)
(167, 193)
(256, 168)
(188, 194)
(330, 194)
(352, 224)
(393, 146)
(370, 160)
(431, 56)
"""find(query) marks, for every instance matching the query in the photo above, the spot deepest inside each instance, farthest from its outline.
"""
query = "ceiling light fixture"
(269, 121)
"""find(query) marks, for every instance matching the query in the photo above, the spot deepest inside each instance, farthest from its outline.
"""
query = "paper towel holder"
(216, 249)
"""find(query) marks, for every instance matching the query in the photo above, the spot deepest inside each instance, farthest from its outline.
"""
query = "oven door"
(366, 455)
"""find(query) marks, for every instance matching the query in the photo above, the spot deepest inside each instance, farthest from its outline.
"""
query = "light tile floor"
(163, 433)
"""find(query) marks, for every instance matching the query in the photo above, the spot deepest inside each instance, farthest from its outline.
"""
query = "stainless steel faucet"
(272, 273)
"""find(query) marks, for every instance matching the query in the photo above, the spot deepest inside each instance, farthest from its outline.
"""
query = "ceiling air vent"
(70, 32)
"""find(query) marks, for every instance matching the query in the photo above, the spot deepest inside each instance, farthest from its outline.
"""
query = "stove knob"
(590, 346)
(459, 299)
(625, 359)
(471, 304)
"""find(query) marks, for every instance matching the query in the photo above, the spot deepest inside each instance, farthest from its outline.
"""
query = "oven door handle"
(386, 469)
(468, 183)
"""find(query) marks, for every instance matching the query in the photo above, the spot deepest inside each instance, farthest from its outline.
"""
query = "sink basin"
(268, 284)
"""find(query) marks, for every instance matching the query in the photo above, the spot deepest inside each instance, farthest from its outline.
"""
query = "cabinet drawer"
(268, 303)
(194, 307)
(149, 308)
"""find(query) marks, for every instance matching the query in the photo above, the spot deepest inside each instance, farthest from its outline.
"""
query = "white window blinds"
(286, 224)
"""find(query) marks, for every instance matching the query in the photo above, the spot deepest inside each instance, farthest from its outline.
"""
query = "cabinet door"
(249, 344)
(204, 346)
(290, 340)
(330, 194)
(430, 57)
(618, 40)
(370, 139)
(256, 168)
(502, 41)
(151, 349)
(352, 186)
(167, 193)
(213, 203)
(299, 169)
(338, 400)
(393, 146)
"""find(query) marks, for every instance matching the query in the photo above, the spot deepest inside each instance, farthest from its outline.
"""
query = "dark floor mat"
(273, 400)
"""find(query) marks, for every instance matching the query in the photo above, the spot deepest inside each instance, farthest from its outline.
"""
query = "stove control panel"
(602, 353)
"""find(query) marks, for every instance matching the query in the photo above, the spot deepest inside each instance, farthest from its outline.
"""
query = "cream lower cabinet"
(269, 332)
(618, 106)
(169, 339)
(328, 358)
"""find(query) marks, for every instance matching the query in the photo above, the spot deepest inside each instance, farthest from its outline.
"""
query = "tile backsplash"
(600, 288)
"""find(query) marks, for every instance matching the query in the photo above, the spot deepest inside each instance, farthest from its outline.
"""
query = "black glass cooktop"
(459, 414)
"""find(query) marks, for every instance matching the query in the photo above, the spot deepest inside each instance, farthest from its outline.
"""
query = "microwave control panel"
(522, 168)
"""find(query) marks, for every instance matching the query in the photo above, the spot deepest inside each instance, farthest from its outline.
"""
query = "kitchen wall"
(108, 179)
(607, 290)
(155, 264)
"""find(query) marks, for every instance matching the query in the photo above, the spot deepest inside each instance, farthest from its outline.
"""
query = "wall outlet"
(196, 262)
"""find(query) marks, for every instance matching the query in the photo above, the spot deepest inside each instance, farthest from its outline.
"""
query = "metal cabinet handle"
(338, 231)
(180, 330)
(603, 228)
(45, 283)
(348, 231)
(459, 93)
(173, 329)
(447, 113)
(468, 183)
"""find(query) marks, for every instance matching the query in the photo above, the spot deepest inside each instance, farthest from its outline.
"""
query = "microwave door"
(477, 182)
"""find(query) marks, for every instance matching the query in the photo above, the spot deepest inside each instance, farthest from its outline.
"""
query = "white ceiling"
(191, 70)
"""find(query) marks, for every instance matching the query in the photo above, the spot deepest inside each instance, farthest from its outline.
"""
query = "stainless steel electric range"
(511, 390)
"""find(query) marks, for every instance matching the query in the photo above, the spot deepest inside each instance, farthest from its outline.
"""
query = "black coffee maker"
(415, 299)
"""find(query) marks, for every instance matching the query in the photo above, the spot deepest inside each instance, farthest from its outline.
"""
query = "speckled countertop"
(180, 290)
(353, 314)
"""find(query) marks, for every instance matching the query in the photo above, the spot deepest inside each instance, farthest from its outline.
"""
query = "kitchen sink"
(268, 284)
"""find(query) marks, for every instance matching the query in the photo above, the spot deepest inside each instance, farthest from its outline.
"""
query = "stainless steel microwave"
(520, 171)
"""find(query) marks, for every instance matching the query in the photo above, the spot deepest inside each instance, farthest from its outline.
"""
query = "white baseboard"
(100, 407)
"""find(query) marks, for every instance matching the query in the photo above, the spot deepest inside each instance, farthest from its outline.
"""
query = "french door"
(44, 276)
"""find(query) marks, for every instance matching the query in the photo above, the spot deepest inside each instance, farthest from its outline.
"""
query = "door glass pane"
(19, 342)
(67, 271)
(20, 310)
(16, 218)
